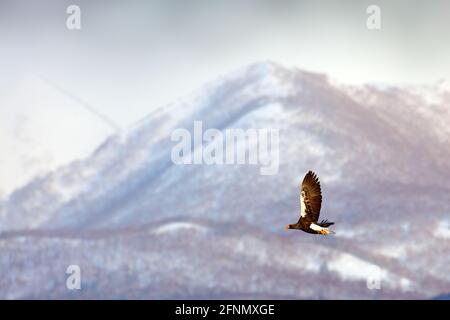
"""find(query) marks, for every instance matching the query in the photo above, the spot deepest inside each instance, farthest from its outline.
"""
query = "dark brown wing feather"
(313, 196)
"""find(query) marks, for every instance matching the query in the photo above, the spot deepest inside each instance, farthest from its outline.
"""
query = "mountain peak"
(266, 67)
(256, 71)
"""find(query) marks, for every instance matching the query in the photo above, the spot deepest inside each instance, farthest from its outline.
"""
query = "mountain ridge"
(380, 155)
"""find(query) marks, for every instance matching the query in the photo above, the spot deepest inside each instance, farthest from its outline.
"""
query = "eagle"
(310, 203)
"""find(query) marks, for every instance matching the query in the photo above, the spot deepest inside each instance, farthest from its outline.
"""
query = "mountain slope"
(380, 154)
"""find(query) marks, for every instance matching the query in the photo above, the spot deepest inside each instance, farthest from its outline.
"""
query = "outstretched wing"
(310, 197)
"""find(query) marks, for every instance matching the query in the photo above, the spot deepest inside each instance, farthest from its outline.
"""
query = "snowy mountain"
(132, 219)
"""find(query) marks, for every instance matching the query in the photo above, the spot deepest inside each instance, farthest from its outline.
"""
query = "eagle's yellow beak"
(286, 227)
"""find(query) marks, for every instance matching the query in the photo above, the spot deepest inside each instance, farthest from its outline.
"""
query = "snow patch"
(443, 230)
(176, 226)
(352, 268)
(346, 233)
(406, 284)
(392, 251)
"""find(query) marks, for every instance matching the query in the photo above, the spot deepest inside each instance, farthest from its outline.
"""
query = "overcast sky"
(132, 56)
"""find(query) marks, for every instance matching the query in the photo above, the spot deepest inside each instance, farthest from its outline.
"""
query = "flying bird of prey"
(310, 203)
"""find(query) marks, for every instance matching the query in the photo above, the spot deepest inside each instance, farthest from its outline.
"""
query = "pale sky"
(132, 56)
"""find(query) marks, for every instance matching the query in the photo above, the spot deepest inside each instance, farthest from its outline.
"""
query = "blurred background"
(86, 176)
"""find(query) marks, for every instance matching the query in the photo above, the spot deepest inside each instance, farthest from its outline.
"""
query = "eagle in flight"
(310, 202)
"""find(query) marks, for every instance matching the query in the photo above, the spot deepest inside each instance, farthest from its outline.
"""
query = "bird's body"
(310, 203)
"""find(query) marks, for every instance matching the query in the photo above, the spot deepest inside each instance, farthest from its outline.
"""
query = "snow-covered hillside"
(131, 218)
